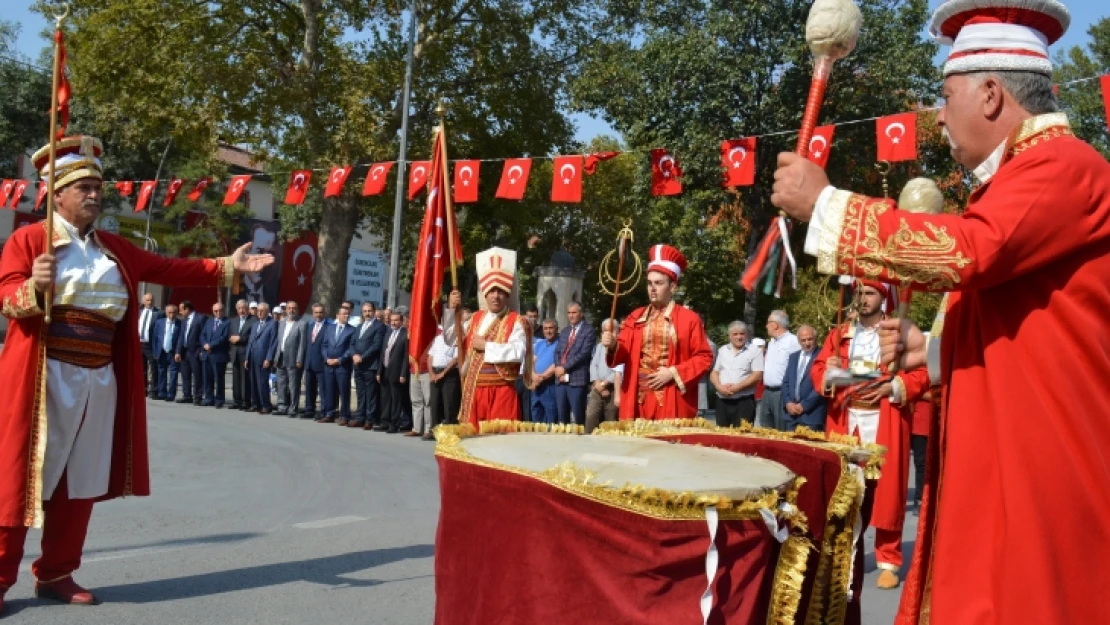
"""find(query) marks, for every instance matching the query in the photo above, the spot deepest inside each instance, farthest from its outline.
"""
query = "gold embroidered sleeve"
(22, 302)
(227, 271)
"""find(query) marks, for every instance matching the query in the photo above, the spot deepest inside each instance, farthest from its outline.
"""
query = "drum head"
(646, 462)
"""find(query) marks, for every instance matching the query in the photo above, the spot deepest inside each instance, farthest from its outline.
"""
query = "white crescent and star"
(898, 125)
(338, 175)
(669, 162)
(567, 177)
(469, 171)
(377, 172)
(238, 185)
(743, 155)
(298, 181)
(824, 144)
(304, 248)
(520, 172)
(419, 172)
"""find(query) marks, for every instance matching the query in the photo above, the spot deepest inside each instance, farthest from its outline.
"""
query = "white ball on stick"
(832, 28)
(921, 195)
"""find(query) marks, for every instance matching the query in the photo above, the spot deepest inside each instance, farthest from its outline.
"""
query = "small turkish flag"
(18, 190)
(336, 179)
(820, 144)
(238, 183)
(738, 161)
(665, 173)
(146, 190)
(6, 191)
(298, 186)
(466, 181)
(1104, 81)
(198, 189)
(566, 179)
(125, 187)
(418, 177)
(592, 160)
(41, 196)
(376, 179)
(897, 137)
(514, 179)
(172, 191)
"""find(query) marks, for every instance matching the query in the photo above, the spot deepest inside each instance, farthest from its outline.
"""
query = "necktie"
(389, 348)
(142, 326)
(338, 329)
(167, 344)
(315, 331)
(363, 329)
(570, 341)
(801, 371)
(242, 322)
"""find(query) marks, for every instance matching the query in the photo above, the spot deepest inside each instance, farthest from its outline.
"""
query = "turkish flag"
(595, 158)
(514, 179)
(172, 191)
(820, 144)
(6, 191)
(198, 189)
(18, 189)
(298, 268)
(566, 179)
(1104, 81)
(64, 90)
(665, 173)
(146, 190)
(336, 179)
(466, 181)
(41, 195)
(738, 161)
(376, 179)
(418, 177)
(238, 183)
(897, 137)
(125, 187)
(298, 186)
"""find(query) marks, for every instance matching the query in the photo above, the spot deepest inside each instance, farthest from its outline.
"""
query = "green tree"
(24, 123)
(1083, 101)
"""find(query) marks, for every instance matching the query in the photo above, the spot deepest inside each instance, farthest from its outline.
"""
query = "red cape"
(23, 368)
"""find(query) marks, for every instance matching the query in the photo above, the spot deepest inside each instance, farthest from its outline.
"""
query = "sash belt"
(80, 337)
(492, 375)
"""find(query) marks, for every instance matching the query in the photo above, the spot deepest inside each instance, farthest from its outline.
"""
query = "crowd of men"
(300, 366)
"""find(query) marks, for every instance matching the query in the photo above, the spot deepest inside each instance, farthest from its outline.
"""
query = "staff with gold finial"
(622, 285)
(448, 197)
(59, 106)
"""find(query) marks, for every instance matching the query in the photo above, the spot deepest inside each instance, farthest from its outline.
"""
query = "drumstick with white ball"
(832, 30)
(920, 195)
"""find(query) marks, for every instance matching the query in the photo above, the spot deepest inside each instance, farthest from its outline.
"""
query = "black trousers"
(192, 376)
(315, 385)
(150, 369)
(215, 381)
(395, 404)
(240, 379)
(525, 396)
(730, 412)
(918, 444)
(338, 381)
(446, 397)
(367, 391)
(260, 390)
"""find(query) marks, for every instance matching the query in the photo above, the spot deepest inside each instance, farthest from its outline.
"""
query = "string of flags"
(895, 136)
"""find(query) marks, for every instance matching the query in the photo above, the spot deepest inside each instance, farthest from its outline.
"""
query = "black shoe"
(219, 406)
(308, 415)
(184, 400)
(392, 430)
(380, 428)
(199, 403)
(281, 411)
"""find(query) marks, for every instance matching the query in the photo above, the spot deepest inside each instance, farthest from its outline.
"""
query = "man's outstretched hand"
(250, 263)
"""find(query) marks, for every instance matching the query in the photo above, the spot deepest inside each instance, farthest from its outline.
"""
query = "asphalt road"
(264, 519)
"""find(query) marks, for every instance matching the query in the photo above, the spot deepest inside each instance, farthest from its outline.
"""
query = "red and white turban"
(667, 261)
(999, 35)
(496, 270)
(890, 295)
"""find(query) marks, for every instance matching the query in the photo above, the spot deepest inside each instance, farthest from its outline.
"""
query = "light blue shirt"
(543, 354)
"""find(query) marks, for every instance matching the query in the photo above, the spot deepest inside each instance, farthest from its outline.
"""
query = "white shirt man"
(779, 347)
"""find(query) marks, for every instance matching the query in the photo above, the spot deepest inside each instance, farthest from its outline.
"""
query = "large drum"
(555, 528)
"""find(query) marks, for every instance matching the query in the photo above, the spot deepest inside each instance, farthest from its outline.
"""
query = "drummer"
(662, 346)
(496, 340)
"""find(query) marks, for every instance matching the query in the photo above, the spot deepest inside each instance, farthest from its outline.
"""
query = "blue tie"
(166, 345)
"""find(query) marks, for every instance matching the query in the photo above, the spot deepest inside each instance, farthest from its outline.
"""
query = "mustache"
(88, 203)
(947, 137)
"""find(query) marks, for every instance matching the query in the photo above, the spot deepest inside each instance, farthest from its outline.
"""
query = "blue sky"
(1084, 13)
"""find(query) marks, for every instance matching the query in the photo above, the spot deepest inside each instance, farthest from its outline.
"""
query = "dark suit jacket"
(216, 339)
(192, 344)
(156, 314)
(369, 345)
(813, 404)
(397, 366)
(296, 344)
(233, 330)
(261, 345)
(314, 350)
(158, 336)
(577, 361)
(341, 347)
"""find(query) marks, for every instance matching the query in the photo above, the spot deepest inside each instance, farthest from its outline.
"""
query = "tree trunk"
(338, 221)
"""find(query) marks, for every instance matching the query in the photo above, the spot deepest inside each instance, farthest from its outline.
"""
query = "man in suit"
(239, 333)
(393, 375)
(572, 366)
(192, 375)
(164, 339)
(260, 353)
(314, 380)
(214, 356)
(802, 404)
(367, 359)
(148, 314)
(289, 360)
(338, 353)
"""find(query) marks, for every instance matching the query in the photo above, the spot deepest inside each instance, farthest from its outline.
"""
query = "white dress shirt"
(496, 353)
(778, 353)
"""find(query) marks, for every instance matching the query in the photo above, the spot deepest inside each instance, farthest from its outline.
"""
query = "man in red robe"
(874, 414)
(1015, 521)
(73, 423)
(662, 346)
(496, 340)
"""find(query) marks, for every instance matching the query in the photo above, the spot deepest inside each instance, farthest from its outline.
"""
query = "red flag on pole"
(1104, 81)
(6, 191)
(18, 190)
(566, 179)
(418, 177)
(466, 181)
(198, 189)
(298, 267)
(665, 173)
(146, 190)
(298, 186)
(738, 161)
(514, 179)
(238, 183)
(173, 190)
(592, 160)
(897, 137)
(376, 179)
(64, 91)
(41, 195)
(336, 179)
(125, 187)
(820, 145)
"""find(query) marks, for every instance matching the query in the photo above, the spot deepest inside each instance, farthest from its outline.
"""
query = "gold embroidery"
(23, 302)
(226, 269)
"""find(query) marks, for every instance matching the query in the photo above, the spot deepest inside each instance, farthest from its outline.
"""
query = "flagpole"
(150, 209)
(395, 248)
(48, 299)
(441, 110)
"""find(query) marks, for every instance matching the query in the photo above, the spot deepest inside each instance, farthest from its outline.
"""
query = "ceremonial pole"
(449, 201)
(48, 299)
(148, 242)
(399, 205)
(624, 238)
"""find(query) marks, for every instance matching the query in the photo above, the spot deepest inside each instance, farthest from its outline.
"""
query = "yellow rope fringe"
(790, 573)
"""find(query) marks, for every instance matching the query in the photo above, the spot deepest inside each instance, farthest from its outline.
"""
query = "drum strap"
(711, 563)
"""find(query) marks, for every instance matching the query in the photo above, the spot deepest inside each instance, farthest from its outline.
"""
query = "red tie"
(573, 332)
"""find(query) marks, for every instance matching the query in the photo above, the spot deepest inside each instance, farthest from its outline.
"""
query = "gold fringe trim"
(790, 573)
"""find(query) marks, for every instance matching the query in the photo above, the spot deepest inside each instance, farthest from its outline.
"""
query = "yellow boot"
(887, 580)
